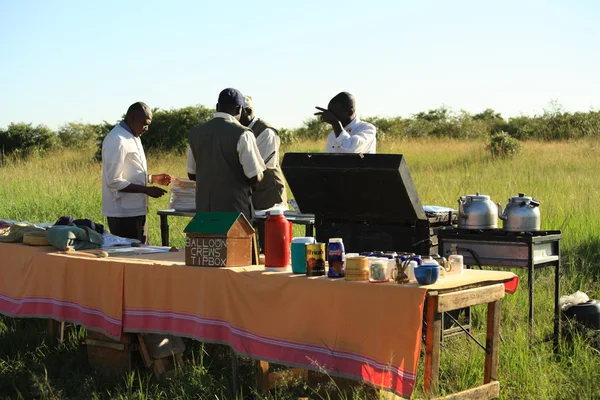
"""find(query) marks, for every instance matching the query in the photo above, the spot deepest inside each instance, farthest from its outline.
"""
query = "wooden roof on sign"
(233, 224)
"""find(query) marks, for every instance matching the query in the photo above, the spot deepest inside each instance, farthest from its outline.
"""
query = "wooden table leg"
(235, 381)
(53, 327)
(432, 347)
(492, 342)
(164, 230)
(262, 376)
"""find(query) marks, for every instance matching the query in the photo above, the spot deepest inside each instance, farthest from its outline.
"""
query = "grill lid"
(353, 187)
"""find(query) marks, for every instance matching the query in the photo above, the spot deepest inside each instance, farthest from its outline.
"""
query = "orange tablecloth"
(35, 283)
(368, 332)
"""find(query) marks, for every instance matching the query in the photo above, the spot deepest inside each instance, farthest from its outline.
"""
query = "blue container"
(336, 258)
(427, 274)
(299, 254)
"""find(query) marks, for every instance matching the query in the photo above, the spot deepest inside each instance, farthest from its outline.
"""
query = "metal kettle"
(477, 211)
(521, 214)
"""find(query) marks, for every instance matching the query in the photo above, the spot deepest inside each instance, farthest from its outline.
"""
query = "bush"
(170, 128)
(77, 135)
(287, 136)
(502, 145)
(22, 139)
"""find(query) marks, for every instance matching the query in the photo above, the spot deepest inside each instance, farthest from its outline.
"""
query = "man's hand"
(155, 191)
(162, 179)
(327, 116)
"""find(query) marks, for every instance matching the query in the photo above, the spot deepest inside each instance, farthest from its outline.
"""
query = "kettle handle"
(534, 203)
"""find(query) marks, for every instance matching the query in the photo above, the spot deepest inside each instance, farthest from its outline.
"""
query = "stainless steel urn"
(521, 214)
(477, 211)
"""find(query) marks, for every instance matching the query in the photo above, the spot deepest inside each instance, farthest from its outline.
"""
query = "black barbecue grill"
(368, 200)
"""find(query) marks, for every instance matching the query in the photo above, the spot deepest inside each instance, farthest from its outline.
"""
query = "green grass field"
(564, 176)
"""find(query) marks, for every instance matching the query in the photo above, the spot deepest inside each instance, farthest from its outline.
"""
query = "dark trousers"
(129, 227)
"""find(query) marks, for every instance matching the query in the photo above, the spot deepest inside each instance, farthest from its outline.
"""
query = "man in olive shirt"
(271, 190)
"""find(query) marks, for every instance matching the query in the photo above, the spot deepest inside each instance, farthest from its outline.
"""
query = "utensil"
(521, 214)
(477, 211)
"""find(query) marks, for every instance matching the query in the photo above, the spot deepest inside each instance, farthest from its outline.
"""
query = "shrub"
(22, 139)
(77, 135)
(502, 145)
(287, 136)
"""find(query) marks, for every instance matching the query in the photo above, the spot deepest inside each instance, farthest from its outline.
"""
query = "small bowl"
(427, 275)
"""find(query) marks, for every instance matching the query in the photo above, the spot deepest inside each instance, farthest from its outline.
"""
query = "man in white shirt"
(271, 190)
(350, 134)
(125, 176)
(224, 160)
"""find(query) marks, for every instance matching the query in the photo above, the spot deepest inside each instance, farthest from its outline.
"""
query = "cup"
(429, 272)
(456, 263)
(299, 253)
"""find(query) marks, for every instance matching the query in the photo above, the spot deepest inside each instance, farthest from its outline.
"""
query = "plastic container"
(357, 268)
(278, 237)
(299, 253)
(336, 258)
(378, 269)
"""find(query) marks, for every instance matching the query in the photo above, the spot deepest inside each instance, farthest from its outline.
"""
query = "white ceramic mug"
(456, 263)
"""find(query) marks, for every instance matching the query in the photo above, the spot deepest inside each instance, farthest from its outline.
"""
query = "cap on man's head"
(248, 102)
(231, 97)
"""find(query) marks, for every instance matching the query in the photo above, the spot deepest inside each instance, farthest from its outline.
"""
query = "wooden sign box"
(218, 240)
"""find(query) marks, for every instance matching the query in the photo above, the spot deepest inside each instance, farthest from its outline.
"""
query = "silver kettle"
(521, 214)
(477, 212)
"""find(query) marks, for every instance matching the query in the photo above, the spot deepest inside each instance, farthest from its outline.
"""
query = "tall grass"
(564, 176)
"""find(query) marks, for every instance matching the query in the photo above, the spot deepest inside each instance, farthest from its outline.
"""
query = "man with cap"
(125, 176)
(271, 190)
(350, 134)
(224, 160)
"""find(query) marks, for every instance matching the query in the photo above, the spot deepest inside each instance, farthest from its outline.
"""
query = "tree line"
(169, 129)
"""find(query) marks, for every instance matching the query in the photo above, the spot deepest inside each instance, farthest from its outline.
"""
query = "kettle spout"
(461, 210)
(501, 214)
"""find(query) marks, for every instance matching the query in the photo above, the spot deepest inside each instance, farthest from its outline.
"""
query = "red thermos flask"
(278, 239)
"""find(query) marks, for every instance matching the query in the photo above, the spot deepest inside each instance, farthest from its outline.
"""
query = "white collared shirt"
(123, 163)
(249, 155)
(268, 143)
(357, 137)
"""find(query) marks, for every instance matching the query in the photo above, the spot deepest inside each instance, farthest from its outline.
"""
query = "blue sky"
(80, 61)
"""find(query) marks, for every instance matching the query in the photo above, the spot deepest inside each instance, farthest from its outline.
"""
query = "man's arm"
(191, 164)
(358, 142)
(268, 144)
(249, 156)
(113, 164)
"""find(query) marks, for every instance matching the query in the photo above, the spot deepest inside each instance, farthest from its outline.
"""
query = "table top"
(290, 216)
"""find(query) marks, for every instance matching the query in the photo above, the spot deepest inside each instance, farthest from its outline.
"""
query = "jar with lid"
(378, 270)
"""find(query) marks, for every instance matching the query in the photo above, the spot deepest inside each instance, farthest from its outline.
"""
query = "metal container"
(477, 211)
(315, 259)
(521, 214)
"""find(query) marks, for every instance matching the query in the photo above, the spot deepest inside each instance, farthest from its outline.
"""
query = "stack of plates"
(357, 268)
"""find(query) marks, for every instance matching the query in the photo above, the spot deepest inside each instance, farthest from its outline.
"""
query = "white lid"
(276, 212)
(335, 240)
(305, 240)
(430, 262)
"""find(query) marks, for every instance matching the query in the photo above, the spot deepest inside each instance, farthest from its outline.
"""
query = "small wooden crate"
(218, 240)
(109, 356)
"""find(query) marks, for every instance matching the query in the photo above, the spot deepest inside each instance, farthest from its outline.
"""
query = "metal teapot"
(477, 211)
(521, 214)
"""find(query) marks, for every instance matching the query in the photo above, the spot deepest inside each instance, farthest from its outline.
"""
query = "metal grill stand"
(497, 248)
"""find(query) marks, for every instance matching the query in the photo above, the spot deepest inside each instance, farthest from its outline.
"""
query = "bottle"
(278, 237)
(337, 258)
